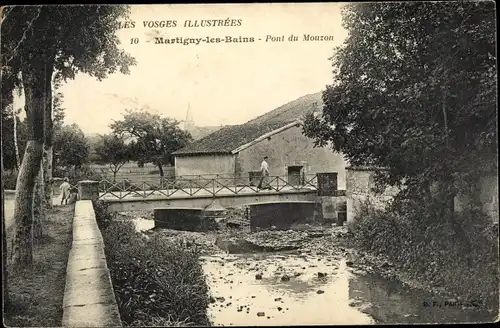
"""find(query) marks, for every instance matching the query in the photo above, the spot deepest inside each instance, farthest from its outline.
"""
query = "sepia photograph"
(249, 164)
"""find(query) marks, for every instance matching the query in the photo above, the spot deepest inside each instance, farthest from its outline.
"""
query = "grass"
(36, 298)
(156, 282)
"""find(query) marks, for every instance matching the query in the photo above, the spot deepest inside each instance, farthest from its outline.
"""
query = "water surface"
(340, 297)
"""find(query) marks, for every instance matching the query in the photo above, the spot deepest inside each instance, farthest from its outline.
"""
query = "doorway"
(295, 175)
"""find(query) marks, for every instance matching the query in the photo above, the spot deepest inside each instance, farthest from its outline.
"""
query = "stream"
(297, 288)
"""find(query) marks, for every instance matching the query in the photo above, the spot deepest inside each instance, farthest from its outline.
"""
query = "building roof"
(292, 110)
(234, 138)
(229, 138)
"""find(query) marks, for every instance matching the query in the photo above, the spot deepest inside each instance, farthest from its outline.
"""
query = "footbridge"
(202, 190)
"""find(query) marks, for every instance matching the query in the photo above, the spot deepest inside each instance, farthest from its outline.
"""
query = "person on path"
(264, 170)
(65, 191)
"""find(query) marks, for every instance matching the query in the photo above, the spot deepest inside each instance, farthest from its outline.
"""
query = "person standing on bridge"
(65, 191)
(264, 171)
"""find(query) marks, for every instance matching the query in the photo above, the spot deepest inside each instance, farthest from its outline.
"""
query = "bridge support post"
(327, 198)
(214, 209)
(88, 190)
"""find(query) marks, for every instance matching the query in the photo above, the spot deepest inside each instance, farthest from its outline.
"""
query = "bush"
(156, 282)
(433, 251)
(103, 217)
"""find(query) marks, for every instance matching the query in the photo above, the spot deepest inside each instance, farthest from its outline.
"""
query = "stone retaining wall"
(359, 182)
(89, 299)
(359, 190)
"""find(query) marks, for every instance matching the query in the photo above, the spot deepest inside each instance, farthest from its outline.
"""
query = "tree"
(112, 150)
(5, 285)
(13, 138)
(38, 41)
(11, 123)
(54, 118)
(93, 139)
(58, 111)
(71, 147)
(15, 120)
(156, 137)
(415, 91)
(9, 138)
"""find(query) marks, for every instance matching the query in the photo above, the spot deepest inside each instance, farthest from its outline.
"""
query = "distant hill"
(293, 110)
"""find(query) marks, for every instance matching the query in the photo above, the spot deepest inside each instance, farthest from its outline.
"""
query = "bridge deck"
(195, 193)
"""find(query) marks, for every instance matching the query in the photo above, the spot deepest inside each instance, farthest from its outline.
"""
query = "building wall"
(288, 148)
(204, 165)
(359, 185)
(487, 190)
(489, 195)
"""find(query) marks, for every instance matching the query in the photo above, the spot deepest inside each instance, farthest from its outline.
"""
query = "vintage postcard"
(260, 164)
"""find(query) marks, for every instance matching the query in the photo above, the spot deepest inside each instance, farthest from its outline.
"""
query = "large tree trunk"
(38, 207)
(48, 145)
(16, 145)
(22, 243)
(160, 167)
(5, 284)
(47, 174)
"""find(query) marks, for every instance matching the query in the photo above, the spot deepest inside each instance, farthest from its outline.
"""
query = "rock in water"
(321, 275)
(385, 265)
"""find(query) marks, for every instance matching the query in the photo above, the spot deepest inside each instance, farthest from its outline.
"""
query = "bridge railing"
(198, 185)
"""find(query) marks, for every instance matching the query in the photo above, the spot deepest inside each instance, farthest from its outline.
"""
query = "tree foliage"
(155, 137)
(71, 147)
(74, 38)
(414, 91)
(57, 106)
(113, 150)
(8, 147)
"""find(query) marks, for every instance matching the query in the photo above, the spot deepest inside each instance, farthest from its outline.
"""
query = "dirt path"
(37, 298)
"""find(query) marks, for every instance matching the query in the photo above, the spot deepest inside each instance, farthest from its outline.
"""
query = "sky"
(222, 83)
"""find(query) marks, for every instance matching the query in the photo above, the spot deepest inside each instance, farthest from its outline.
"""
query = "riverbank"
(37, 297)
(156, 281)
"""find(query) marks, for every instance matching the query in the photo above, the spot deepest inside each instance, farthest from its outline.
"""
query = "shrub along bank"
(156, 282)
(433, 253)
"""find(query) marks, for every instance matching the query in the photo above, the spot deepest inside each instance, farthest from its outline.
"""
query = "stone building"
(238, 150)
